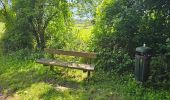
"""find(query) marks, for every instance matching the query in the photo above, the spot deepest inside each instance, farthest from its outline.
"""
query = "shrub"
(117, 61)
(26, 54)
(159, 73)
(122, 24)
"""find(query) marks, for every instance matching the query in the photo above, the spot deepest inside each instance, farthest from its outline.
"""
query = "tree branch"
(49, 19)
(34, 31)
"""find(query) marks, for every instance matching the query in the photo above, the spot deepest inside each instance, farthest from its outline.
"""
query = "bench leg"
(88, 74)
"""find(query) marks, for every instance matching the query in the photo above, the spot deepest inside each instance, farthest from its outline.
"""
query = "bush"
(117, 61)
(159, 73)
(31, 24)
(122, 24)
(26, 54)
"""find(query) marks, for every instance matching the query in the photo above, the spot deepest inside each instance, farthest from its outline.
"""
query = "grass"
(82, 33)
(25, 80)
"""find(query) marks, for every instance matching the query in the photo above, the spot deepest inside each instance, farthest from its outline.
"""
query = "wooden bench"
(73, 65)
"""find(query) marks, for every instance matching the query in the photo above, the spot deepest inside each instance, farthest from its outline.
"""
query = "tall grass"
(82, 35)
(23, 79)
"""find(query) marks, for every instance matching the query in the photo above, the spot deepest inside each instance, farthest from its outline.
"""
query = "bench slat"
(50, 62)
(71, 53)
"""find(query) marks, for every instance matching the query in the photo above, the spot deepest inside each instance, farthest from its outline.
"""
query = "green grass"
(26, 80)
(84, 33)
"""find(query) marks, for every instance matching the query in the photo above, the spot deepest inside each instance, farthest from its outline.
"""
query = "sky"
(78, 17)
(74, 11)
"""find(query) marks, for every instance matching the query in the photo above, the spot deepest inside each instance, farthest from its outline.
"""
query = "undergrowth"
(23, 79)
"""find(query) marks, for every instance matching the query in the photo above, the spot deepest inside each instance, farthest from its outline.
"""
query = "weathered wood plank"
(71, 53)
(51, 62)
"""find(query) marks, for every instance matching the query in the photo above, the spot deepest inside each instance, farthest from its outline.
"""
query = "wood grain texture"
(51, 62)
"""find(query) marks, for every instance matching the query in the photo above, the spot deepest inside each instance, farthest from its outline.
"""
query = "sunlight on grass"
(25, 80)
(45, 91)
(32, 92)
(84, 31)
(85, 34)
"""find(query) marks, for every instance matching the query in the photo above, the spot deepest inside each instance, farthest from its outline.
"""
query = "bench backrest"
(71, 53)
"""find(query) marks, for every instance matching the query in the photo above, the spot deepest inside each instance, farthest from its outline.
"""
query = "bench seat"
(51, 62)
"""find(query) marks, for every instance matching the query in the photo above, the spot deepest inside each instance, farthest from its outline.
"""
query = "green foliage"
(26, 54)
(123, 25)
(13, 37)
(2, 29)
(85, 8)
(119, 24)
(21, 78)
(59, 32)
(159, 73)
(117, 61)
(82, 34)
(125, 87)
(17, 36)
(32, 24)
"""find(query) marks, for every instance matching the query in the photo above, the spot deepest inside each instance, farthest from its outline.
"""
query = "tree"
(31, 19)
(123, 25)
(45, 11)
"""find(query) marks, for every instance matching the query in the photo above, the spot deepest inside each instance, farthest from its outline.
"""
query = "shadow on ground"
(34, 81)
(15, 80)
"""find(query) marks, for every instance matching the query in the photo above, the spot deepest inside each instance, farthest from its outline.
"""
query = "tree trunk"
(37, 39)
(42, 39)
(35, 32)
(40, 24)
